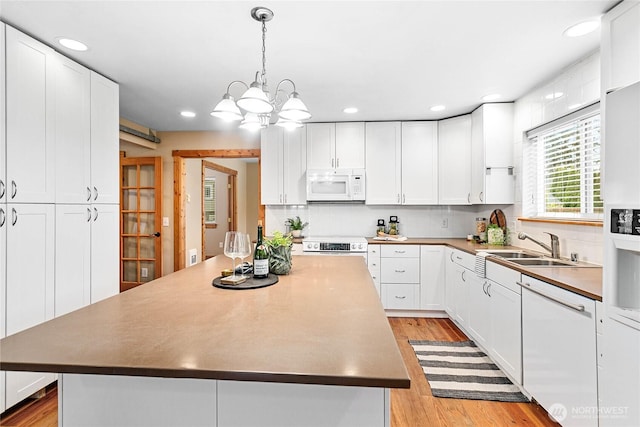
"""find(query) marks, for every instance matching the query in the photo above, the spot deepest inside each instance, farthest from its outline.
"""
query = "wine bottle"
(260, 257)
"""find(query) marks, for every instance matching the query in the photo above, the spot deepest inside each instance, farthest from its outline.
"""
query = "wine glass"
(245, 249)
(232, 243)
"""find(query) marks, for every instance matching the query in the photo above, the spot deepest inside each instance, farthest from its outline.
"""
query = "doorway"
(141, 220)
(219, 206)
(180, 158)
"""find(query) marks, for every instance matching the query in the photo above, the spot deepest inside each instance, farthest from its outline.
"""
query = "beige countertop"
(586, 281)
(322, 324)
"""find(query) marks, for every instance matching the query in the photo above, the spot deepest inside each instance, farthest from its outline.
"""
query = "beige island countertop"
(585, 281)
(322, 324)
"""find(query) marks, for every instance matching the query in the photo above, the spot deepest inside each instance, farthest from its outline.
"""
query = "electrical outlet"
(220, 245)
(165, 221)
(445, 222)
(144, 272)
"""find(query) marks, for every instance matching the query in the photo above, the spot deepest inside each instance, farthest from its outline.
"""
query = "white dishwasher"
(559, 352)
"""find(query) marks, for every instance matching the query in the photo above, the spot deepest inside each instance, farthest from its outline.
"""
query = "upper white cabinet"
(454, 161)
(72, 132)
(3, 141)
(402, 163)
(419, 163)
(105, 261)
(30, 116)
(283, 169)
(620, 46)
(335, 145)
(105, 142)
(383, 160)
(492, 178)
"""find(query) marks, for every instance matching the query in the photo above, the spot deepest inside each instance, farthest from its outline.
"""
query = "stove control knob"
(315, 246)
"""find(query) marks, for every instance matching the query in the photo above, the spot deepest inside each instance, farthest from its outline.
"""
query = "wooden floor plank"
(414, 407)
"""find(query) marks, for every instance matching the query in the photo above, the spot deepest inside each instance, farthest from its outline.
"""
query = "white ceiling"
(391, 59)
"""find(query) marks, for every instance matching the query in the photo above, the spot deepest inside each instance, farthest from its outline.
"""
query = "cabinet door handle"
(463, 279)
(95, 214)
(400, 271)
(88, 214)
(333, 163)
(88, 194)
(403, 198)
(2, 189)
(398, 198)
(14, 216)
(576, 307)
(95, 197)
(484, 288)
(337, 162)
(285, 199)
(401, 296)
(280, 198)
(481, 195)
(489, 290)
(3, 217)
(14, 189)
(451, 256)
(468, 197)
(399, 252)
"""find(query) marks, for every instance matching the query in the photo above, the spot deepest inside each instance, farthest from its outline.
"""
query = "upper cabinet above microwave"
(335, 145)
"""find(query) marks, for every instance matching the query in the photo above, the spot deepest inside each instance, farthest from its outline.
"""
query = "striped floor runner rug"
(461, 370)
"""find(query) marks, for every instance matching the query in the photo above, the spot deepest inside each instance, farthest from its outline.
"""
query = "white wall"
(193, 207)
(214, 237)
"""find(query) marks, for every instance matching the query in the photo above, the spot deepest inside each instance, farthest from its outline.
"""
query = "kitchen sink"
(513, 254)
(543, 262)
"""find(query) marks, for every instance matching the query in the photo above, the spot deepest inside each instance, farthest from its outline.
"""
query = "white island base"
(114, 400)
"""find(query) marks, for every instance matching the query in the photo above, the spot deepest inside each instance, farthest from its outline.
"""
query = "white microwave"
(335, 185)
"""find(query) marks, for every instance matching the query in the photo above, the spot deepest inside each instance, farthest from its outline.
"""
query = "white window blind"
(562, 168)
(210, 200)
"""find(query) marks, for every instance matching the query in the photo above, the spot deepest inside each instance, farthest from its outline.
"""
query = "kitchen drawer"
(504, 275)
(401, 296)
(373, 252)
(464, 259)
(400, 270)
(400, 251)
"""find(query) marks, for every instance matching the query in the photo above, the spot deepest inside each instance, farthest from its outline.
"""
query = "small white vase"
(296, 233)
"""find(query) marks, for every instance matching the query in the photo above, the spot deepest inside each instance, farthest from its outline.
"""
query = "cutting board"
(498, 218)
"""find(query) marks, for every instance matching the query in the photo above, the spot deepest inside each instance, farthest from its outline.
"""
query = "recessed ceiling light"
(187, 114)
(437, 108)
(491, 97)
(582, 28)
(350, 110)
(554, 95)
(73, 44)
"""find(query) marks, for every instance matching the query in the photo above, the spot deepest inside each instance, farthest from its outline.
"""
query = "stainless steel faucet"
(555, 243)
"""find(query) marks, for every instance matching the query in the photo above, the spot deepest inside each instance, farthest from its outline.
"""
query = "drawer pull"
(401, 296)
(400, 271)
(576, 307)
(400, 252)
(459, 258)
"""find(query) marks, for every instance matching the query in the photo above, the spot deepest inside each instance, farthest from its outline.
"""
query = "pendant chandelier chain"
(264, 53)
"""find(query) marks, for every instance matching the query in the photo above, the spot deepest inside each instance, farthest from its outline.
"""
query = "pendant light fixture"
(255, 106)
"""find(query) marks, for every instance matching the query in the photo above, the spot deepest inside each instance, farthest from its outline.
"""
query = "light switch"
(165, 221)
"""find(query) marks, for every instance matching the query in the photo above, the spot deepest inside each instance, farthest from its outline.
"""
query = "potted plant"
(495, 235)
(296, 226)
(279, 253)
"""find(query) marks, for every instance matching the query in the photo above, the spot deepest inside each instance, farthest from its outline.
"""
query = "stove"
(335, 245)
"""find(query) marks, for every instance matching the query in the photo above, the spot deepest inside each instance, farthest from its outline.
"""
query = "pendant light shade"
(254, 100)
(294, 109)
(255, 105)
(227, 109)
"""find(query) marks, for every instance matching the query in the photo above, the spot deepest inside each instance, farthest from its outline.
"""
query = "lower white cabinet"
(432, 277)
(400, 276)
(400, 296)
(373, 263)
(458, 274)
(479, 318)
(29, 284)
(559, 351)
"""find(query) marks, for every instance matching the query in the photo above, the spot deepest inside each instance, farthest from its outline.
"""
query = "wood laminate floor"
(414, 407)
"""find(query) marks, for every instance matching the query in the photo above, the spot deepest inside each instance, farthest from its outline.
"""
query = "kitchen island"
(313, 349)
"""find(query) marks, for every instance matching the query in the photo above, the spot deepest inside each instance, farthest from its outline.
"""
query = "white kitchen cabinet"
(105, 257)
(29, 284)
(402, 163)
(559, 350)
(620, 46)
(3, 141)
(492, 178)
(479, 320)
(432, 277)
(383, 163)
(30, 117)
(105, 140)
(458, 273)
(373, 263)
(454, 161)
(72, 132)
(335, 145)
(400, 276)
(419, 163)
(73, 258)
(283, 170)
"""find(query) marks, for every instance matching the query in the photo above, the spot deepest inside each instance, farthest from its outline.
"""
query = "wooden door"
(141, 220)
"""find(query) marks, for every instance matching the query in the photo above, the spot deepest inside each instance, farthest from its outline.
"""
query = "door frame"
(179, 217)
(232, 205)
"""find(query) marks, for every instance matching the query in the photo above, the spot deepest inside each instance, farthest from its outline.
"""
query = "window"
(562, 168)
(209, 200)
